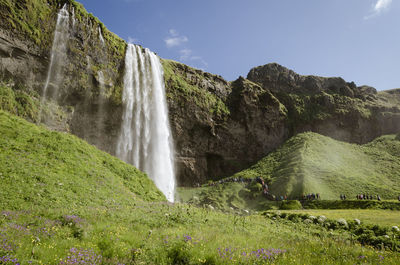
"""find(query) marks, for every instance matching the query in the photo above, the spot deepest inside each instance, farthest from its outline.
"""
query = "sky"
(358, 40)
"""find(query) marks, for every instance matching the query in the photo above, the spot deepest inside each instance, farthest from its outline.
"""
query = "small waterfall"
(58, 54)
(145, 139)
(101, 36)
(100, 110)
(73, 18)
(101, 81)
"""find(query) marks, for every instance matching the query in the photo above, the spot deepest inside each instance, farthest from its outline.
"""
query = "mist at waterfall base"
(145, 140)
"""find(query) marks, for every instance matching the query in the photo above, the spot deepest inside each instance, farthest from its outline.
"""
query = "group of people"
(264, 185)
(310, 196)
(368, 197)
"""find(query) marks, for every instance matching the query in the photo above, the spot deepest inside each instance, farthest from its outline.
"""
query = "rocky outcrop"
(219, 127)
(330, 106)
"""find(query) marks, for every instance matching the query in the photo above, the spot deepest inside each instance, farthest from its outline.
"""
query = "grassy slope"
(51, 169)
(311, 162)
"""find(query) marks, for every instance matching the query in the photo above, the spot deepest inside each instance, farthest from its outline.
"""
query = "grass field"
(65, 202)
(159, 233)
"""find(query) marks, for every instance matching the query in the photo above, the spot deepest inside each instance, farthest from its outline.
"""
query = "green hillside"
(51, 169)
(310, 162)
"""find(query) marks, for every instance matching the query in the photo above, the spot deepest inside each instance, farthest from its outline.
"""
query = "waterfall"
(101, 36)
(73, 18)
(58, 53)
(100, 110)
(145, 139)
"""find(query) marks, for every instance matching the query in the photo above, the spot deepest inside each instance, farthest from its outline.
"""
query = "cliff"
(219, 127)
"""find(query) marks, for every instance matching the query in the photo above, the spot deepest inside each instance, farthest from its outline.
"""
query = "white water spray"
(101, 36)
(73, 18)
(145, 139)
(58, 52)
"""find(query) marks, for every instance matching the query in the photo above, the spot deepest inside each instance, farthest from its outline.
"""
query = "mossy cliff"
(26, 35)
(219, 127)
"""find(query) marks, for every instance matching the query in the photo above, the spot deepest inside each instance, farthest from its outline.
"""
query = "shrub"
(290, 205)
(178, 254)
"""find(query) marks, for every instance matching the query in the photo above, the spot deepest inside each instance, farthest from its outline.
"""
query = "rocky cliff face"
(262, 111)
(219, 127)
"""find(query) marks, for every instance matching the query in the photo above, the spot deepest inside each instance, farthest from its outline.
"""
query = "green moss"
(30, 18)
(181, 91)
(305, 108)
(19, 102)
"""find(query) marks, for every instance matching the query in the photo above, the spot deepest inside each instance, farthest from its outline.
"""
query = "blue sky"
(358, 40)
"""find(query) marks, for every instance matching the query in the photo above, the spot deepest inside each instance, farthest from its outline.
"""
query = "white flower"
(395, 228)
(358, 222)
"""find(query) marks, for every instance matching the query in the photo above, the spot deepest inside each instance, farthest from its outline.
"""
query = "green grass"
(61, 196)
(158, 233)
(19, 102)
(50, 169)
(310, 162)
(373, 217)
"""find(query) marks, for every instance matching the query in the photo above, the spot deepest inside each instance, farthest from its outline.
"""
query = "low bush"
(290, 205)
(373, 235)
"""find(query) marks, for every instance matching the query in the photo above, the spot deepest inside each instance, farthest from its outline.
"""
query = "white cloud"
(173, 32)
(132, 40)
(174, 39)
(382, 5)
(186, 55)
(379, 7)
(200, 59)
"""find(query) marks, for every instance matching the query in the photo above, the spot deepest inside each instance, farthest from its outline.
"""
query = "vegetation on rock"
(182, 92)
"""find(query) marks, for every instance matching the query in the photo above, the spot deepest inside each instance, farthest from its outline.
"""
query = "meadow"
(65, 202)
(160, 233)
